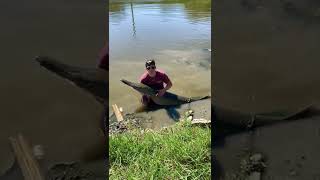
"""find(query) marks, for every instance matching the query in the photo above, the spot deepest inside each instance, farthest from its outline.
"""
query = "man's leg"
(145, 100)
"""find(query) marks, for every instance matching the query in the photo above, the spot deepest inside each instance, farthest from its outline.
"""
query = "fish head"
(141, 88)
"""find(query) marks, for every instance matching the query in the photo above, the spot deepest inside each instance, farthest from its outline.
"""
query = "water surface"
(267, 58)
(44, 108)
(174, 33)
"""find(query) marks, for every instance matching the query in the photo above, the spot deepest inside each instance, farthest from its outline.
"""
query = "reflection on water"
(175, 33)
(196, 9)
(133, 25)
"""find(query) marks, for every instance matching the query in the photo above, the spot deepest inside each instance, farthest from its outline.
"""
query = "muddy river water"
(44, 108)
(177, 34)
(267, 58)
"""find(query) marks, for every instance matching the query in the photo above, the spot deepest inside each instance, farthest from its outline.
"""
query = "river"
(177, 34)
(44, 108)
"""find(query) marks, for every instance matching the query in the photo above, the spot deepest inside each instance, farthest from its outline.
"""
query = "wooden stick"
(29, 166)
(117, 113)
(34, 166)
(21, 160)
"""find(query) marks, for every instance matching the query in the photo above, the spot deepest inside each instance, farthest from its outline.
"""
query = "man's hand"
(161, 92)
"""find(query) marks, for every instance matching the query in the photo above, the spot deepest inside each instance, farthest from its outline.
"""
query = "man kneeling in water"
(155, 79)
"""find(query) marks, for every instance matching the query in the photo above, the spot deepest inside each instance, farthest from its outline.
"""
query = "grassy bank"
(178, 152)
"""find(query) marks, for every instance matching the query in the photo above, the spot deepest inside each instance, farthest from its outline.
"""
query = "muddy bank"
(291, 149)
(170, 115)
(202, 109)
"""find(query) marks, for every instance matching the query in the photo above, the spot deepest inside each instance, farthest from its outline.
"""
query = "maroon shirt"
(104, 58)
(155, 82)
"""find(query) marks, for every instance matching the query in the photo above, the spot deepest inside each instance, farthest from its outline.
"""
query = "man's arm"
(168, 83)
(104, 58)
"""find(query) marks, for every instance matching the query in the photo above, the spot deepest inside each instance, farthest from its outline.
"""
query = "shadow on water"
(224, 128)
(170, 110)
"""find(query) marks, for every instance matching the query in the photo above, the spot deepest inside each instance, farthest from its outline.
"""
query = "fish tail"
(199, 98)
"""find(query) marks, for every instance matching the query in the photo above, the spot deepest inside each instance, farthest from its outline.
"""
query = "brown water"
(271, 56)
(267, 58)
(175, 33)
(46, 109)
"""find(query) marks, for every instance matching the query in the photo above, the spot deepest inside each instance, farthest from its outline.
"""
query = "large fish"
(93, 80)
(168, 99)
(226, 121)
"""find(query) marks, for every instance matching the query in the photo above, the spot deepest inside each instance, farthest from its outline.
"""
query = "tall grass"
(178, 152)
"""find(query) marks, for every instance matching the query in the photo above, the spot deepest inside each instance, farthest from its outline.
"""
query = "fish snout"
(41, 58)
(125, 82)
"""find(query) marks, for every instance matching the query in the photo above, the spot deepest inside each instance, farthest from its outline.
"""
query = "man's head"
(151, 67)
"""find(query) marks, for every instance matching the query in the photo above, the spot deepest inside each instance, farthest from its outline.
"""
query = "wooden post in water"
(28, 164)
(117, 113)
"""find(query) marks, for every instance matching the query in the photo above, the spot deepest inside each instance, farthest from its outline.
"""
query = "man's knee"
(145, 99)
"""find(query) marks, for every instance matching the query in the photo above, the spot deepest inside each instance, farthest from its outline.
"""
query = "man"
(104, 58)
(155, 79)
(103, 73)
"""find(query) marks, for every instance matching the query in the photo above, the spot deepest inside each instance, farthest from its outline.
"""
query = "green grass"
(178, 152)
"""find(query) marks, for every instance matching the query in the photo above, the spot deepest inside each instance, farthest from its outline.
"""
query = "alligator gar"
(92, 80)
(89, 79)
(168, 99)
(226, 121)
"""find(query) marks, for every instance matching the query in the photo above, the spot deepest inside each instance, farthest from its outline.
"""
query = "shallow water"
(44, 108)
(175, 33)
(268, 59)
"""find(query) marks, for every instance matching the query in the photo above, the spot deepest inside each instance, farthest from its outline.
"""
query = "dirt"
(130, 121)
(70, 171)
(170, 115)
